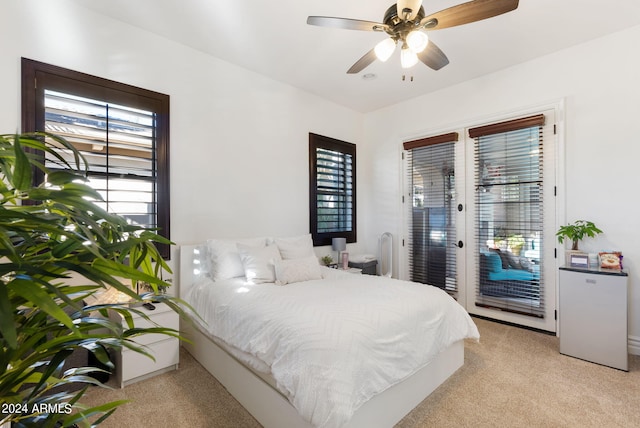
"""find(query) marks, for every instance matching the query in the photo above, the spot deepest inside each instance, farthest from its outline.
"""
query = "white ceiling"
(271, 37)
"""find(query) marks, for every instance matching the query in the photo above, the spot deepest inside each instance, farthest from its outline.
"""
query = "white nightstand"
(132, 366)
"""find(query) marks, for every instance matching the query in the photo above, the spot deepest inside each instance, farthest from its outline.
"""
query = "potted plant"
(515, 243)
(327, 260)
(576, 232)
(49, 233)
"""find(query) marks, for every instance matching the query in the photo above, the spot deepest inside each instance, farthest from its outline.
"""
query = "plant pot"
(569, 253)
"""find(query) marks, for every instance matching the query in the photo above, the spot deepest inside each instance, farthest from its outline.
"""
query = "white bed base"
(269, 407)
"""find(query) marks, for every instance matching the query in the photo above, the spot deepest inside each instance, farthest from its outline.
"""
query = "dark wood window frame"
(321, 142)
(38, 76)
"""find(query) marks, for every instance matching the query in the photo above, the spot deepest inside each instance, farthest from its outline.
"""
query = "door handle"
(460, 244)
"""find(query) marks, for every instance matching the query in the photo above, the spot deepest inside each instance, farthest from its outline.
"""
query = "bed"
(263, 335)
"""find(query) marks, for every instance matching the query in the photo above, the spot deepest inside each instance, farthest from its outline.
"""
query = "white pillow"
(225, 260)
(296, 247)
(297, 270)
(259, 262)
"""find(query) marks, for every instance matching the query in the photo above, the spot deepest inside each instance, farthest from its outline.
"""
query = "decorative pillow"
(503, 258)
(494, 263)
(224, 258)
(514, 261)
(259, 262)
(297, 270)
(297, 247)
(526, 264)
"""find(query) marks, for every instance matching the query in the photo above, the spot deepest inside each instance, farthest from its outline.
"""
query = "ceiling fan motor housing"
(398, 28)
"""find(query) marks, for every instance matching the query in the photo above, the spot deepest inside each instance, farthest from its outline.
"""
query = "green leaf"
(116, 269)
(60, 177)
(22, 171)
(65, 248)
(7, 325)
(40, 299)
(85, 414)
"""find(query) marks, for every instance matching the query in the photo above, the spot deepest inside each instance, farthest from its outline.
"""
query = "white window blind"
(119, 145)
(432, 229)
(509, 215)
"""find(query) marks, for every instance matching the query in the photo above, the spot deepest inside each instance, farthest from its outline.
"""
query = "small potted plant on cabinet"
(575, 232)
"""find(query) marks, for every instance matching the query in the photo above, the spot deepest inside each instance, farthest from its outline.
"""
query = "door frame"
(466, 264)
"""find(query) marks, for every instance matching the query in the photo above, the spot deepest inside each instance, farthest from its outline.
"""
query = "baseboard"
(634, 345)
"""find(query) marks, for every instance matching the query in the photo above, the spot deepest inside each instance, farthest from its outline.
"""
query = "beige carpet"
(512, 378)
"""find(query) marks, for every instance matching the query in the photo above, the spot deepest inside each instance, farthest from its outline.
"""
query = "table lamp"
(339, 245)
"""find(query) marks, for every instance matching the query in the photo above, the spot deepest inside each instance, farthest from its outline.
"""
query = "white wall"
(598, 82)
(239, 141)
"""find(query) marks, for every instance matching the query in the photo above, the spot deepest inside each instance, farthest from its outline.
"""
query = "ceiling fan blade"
(466, 13)
(346, 23)
(412, 5)
(433, 57)
(363, 62)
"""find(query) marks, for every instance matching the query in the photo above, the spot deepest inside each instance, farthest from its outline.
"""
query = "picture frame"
(579, 261)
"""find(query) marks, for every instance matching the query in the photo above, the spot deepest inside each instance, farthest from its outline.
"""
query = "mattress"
(331, 344)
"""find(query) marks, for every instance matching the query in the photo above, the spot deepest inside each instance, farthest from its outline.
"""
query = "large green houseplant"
(48, 233)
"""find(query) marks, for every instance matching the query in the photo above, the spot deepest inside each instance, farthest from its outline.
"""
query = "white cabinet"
(132, 366)
(592, 314)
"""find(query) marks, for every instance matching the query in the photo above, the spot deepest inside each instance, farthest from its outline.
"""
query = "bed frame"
(270, 407)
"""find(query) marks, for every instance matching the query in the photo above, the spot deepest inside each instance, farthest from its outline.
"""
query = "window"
(123, 131)
(332, 189)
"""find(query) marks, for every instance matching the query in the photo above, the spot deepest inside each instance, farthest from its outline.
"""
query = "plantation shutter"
(335, 190)
(119, 144)
(432, 229)
(508, 168)
(332, 189)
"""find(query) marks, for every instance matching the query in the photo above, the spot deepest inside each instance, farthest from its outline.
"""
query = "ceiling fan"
(407, 25)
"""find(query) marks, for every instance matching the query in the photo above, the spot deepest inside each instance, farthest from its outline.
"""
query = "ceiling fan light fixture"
(408, 58)
(417, 41)
(384, 49)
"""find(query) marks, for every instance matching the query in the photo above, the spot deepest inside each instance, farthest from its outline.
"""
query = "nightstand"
(132, 366)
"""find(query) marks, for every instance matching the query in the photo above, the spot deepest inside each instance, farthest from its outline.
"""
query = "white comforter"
(332, 344)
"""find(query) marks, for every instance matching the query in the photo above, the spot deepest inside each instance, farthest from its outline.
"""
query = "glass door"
(512, 252)
(480, 218)
(432, 237)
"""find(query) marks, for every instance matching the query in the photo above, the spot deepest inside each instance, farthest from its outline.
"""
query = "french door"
(481, 221)
(433, 239)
